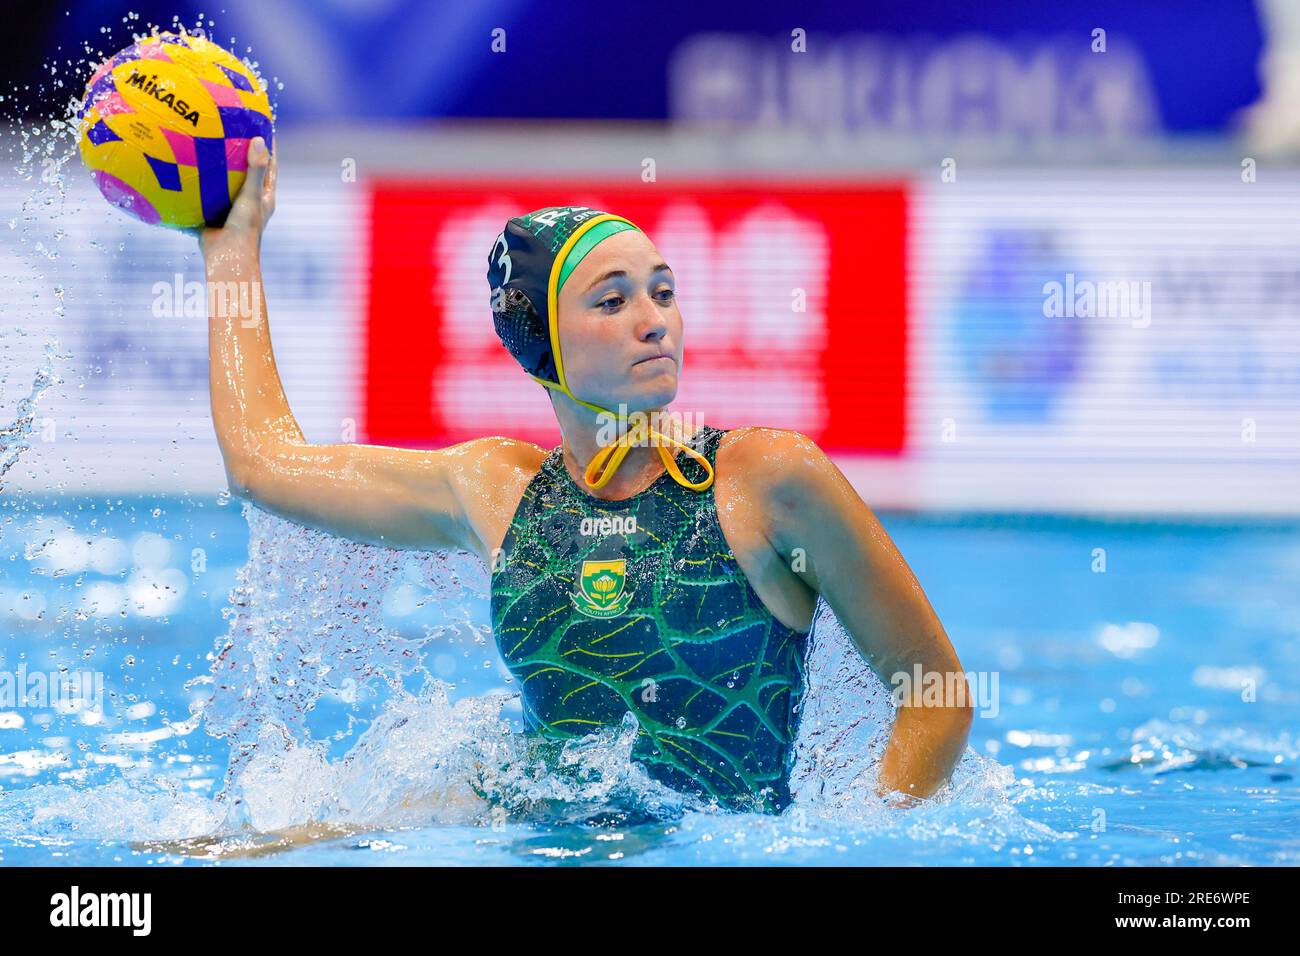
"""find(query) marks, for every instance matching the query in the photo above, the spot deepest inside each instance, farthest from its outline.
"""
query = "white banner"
(1107, 339)
(127, 306)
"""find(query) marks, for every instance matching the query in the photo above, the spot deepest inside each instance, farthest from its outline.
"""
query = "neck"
(586, 433)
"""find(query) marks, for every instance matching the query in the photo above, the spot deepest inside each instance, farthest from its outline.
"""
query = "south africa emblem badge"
(602, 589)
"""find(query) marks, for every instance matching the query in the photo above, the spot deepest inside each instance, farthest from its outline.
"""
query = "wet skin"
(797, 527)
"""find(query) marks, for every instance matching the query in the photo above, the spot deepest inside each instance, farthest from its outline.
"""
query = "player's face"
(620, 329)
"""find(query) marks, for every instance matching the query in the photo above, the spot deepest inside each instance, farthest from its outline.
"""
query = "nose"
(652, 322)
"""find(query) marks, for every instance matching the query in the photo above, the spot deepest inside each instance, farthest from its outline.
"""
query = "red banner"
(793, 299)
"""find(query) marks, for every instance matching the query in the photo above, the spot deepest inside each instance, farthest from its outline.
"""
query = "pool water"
(1135, 705)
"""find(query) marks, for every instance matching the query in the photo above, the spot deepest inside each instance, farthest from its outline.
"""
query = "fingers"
(251, 207)
(272, 170)
(258, 154)
(268, 193)
(251, 189)
(257, 163)
(249, 196)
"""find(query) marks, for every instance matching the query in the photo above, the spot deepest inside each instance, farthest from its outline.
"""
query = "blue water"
(1144, 714)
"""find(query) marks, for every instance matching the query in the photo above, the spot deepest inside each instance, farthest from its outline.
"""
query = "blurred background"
(1029, 257)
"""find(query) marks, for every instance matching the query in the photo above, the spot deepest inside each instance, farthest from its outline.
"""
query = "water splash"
(14, 437)
(307, 622)
(307, 625)
(1161, 747)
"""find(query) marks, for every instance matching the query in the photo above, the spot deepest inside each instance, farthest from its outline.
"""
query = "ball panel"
(125, 198)
(137, 130)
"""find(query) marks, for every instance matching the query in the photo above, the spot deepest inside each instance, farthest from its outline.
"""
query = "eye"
(667, 294)
(614, 300)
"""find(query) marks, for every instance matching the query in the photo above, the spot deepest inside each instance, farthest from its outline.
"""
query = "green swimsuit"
(604, 607)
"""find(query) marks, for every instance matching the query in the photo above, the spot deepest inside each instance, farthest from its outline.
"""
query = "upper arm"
(833, 541)
(396, 497)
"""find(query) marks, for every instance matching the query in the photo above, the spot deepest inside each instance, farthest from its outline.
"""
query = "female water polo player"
(663, 570)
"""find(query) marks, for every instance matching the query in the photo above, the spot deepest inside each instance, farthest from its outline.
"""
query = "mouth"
(655, 358)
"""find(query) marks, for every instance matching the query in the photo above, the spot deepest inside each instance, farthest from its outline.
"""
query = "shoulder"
(511, 452)
(492, 470)
(756, 439)
(797, 493)
(776, 464)
(795, 489)
(496, 457)
(488, 476)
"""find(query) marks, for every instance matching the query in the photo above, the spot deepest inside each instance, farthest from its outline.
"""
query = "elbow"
(951, 716)
(241, 475)
(261, 471)
(958, 721)
(959, 712)
(948, 727)
(943, 706)
(964, 717)
(250, 461)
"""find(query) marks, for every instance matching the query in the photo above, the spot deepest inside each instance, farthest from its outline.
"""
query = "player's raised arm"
(398, 497)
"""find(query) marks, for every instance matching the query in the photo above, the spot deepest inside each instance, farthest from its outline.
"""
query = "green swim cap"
(587, 241)
(525, 271)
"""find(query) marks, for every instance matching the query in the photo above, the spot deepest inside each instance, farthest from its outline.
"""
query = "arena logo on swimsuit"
(619, 524)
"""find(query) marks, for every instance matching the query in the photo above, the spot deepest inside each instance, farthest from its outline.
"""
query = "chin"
(651, 395)
(661, 396)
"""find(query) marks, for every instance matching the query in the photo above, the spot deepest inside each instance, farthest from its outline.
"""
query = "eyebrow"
(620, 273)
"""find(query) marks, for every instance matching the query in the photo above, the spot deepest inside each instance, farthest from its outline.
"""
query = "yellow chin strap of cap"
(608, 459)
